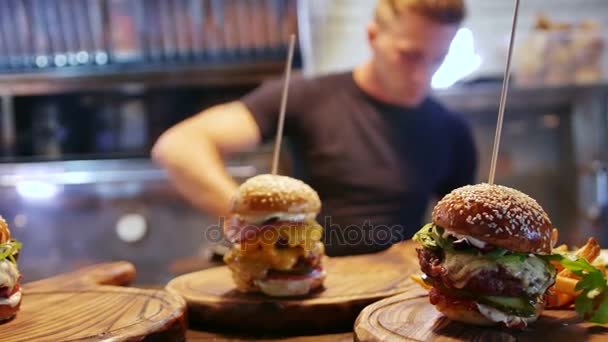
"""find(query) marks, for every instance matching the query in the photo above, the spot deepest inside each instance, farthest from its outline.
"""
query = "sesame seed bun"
(273, 193)
(501, 216)
(468, 311)
(461, 313)
(287, 287)
(5, 233)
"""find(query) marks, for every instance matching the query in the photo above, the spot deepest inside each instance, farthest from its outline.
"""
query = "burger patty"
(436, 297)
(485, 282)
(304, 265)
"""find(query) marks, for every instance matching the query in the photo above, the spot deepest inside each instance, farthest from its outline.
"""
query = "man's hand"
(192, 151)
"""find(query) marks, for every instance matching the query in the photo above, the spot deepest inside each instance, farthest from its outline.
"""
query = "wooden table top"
(199, 336)
(352, 283)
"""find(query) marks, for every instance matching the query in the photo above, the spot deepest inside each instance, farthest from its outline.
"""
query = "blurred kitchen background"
(86, 86)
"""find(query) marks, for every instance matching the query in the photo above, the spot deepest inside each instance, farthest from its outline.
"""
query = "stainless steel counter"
(75, 213)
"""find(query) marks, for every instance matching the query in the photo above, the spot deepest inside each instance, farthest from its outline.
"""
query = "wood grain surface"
(352, 283)
(72, 307)
(410, 317)
(118, 273)
(200, 336)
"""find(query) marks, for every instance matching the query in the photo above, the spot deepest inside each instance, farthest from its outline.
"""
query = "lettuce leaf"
(430, 237)
(9, 249)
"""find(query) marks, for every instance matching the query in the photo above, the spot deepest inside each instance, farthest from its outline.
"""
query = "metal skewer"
(503, 96)
(277, 143)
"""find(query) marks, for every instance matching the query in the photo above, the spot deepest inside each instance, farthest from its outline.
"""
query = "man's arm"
(192, 150)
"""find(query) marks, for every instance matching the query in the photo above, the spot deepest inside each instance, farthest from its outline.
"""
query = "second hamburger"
(484, 256)
(10, 288)
(277, 242)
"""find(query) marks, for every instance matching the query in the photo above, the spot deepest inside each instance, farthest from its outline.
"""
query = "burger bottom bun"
(286, 287)
(468, 315)
(7, 312)
(464, 314)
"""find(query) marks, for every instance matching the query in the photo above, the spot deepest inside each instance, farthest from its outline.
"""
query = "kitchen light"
(42, 61)
(131, 227)
(37, 190)
(101, 58)
(61, 60)
(460, 61)
(82, 57)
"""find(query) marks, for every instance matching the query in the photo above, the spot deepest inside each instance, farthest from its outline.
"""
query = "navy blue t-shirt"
(375, 165)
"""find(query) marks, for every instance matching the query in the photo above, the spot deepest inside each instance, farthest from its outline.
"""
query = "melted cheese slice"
(532, 271)
(461, 267)
(252, 258)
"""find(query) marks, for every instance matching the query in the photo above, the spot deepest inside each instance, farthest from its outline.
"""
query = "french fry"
(561, 248)
(563, 293)
(559, 300)
(589, 251)
(418, 280)
(558, 266)
(565, 285)
(554, 237)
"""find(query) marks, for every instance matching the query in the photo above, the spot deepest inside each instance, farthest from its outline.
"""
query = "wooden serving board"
(410, 317)
(203, 336)
(75, 306)
(351, 284)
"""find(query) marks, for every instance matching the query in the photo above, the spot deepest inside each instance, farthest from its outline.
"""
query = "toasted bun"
(286, 287)
(8, 312)
(498, 215)
(5, 233)
(471, 313)
(272, 193)
(474, 317)
(464, 314)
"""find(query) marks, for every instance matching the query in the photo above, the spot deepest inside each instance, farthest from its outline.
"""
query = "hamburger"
(10, 290)
(277, 248)
(485, 256)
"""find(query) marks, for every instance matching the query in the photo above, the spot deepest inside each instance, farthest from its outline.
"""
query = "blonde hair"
(442, 11)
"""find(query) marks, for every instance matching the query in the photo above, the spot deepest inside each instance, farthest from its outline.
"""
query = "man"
(370, 141)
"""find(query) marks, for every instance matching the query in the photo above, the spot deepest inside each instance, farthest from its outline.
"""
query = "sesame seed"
(504, 209)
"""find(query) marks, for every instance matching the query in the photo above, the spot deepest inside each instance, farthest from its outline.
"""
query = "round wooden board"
(204, 336)
(98, 313)
(351, 284)
(410, 317)
(73, 307)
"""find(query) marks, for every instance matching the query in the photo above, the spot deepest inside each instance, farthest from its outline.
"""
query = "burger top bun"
(273, 193)
(5, 233)
(499, 215)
